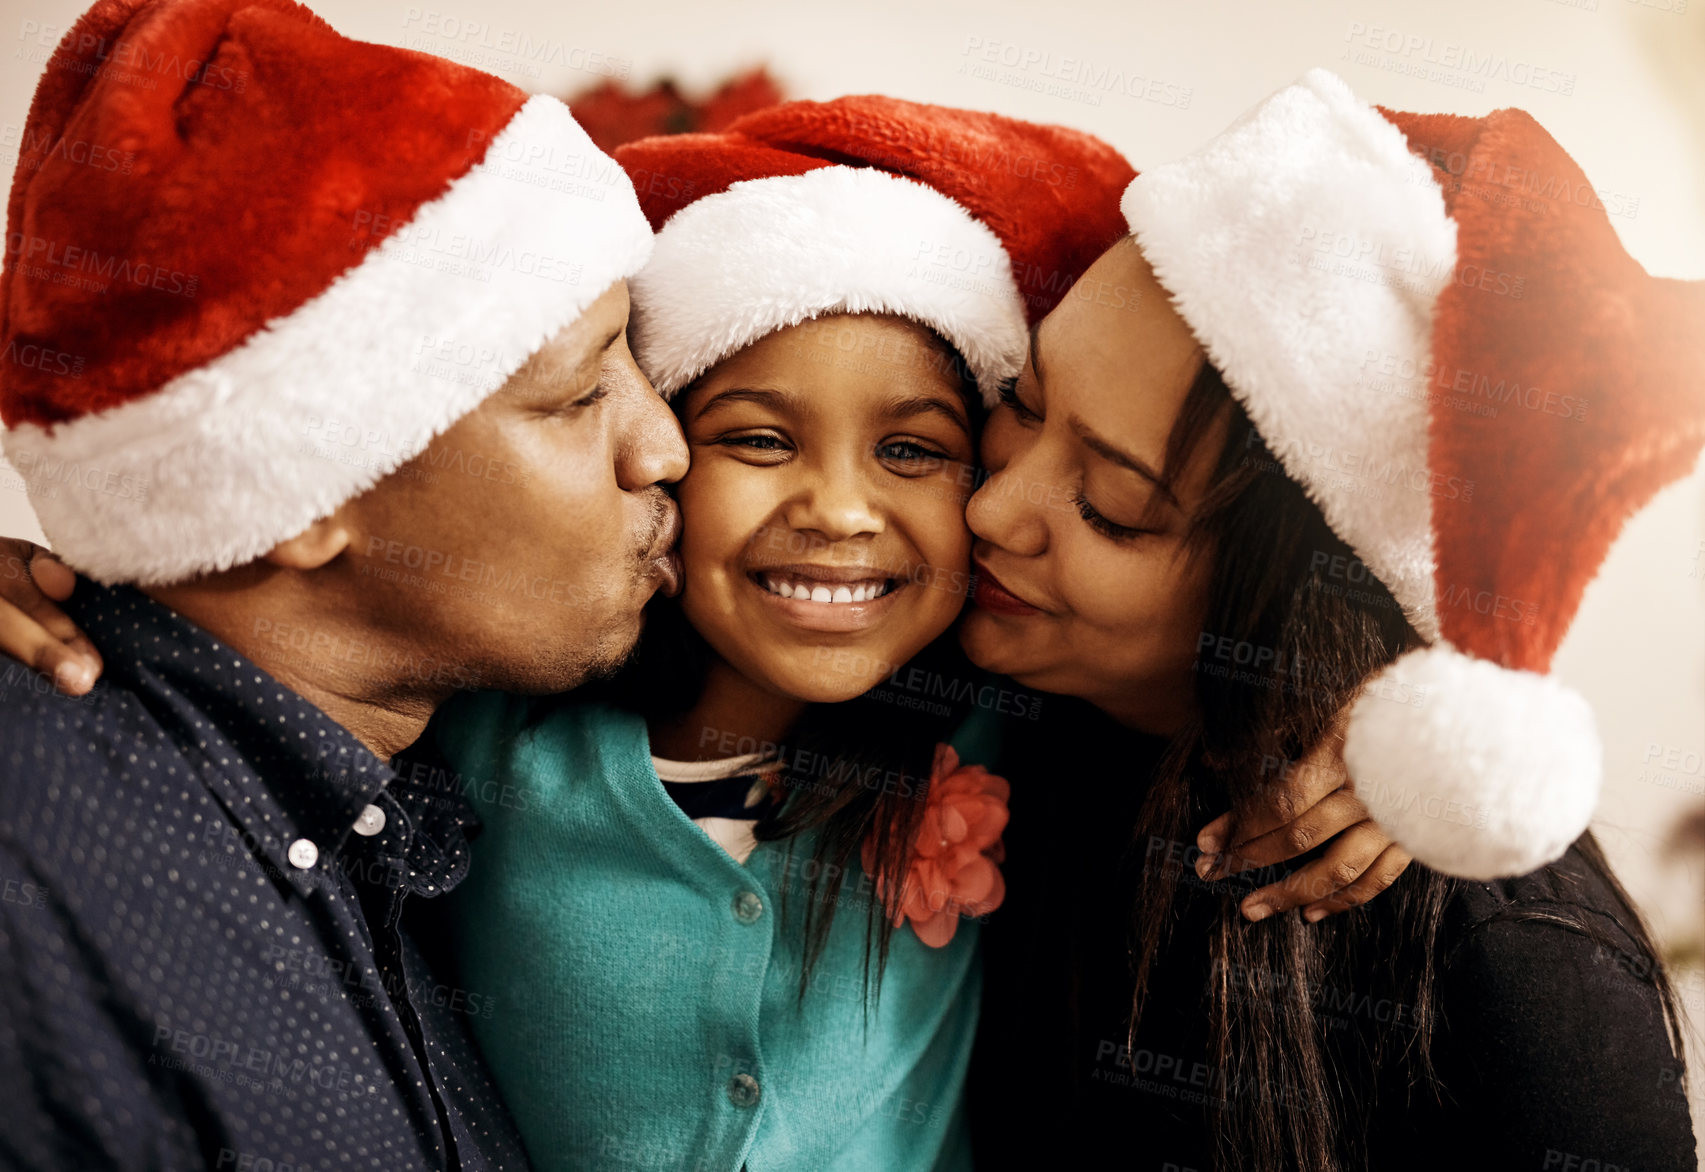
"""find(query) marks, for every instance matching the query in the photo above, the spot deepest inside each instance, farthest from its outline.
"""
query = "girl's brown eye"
(760, 443)
(754, 443)
(908, 450)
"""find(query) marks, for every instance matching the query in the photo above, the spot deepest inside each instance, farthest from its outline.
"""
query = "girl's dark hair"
(1282, 588)
(853, 771)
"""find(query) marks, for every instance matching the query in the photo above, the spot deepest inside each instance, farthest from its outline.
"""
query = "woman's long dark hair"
(1278, 582)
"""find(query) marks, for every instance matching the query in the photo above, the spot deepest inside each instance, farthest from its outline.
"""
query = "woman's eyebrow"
(1123, 458)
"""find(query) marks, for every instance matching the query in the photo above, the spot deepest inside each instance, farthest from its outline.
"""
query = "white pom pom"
(1475, 770)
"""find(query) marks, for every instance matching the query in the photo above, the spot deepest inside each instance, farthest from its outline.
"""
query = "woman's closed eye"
(1110, 529)
(1007, 390)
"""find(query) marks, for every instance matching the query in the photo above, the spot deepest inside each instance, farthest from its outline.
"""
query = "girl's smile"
(829, 598)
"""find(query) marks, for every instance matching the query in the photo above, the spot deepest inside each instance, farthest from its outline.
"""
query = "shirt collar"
(285, 772)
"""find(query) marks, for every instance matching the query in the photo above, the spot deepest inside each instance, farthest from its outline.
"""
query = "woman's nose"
(1010, 509)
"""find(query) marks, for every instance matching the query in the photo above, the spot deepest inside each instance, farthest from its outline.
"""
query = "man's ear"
(314, 547)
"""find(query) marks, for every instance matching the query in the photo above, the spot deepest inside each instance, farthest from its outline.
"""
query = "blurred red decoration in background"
(612, 115)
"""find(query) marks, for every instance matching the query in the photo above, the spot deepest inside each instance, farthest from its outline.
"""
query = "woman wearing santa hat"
(1359, 426)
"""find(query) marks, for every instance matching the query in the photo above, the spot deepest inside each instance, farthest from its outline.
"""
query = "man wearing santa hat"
(328, 390)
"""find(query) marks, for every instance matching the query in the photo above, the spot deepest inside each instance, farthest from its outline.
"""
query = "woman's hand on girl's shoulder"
(33, 630)
(1311, 801)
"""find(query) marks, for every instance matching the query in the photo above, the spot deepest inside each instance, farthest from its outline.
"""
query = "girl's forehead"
(848, 359)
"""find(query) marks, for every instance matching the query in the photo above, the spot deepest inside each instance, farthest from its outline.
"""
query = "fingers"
(1310, 803)
(1296, 790)
(1391, 863)
(54, 578)
(15, 555)
(33, 629)
(1302, 784)
(1211, 839)
(24, 637)
(1337, 811)
(1346, 859)
(41, 607)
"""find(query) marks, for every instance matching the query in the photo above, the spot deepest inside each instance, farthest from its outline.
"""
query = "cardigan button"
(748, 907)
(743, 1090)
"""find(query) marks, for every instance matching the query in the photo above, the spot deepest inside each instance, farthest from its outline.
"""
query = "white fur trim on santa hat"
(1306, 247)
(1474, 769)
(769, 253)
(226, 461)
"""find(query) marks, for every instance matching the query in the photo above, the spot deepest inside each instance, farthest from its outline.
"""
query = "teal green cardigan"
(643, 987)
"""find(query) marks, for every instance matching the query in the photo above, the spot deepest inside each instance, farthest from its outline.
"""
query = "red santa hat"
(972, 224)
(253, 266)
(1431, 322)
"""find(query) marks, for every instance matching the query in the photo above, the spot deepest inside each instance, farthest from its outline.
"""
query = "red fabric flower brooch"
(955, 861)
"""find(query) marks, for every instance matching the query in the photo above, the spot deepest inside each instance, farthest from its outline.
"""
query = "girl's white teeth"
(863, 592)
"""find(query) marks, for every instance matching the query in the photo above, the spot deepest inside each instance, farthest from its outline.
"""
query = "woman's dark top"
(1551, 1047)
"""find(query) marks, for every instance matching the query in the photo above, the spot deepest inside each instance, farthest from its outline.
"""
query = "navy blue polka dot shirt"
(215, 911)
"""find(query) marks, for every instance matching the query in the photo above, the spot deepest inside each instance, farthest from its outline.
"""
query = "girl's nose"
(837, 505)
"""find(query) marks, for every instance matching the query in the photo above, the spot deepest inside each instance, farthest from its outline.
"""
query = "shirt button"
(743, 1090)
(748, 907)
(303, 854)
(370, 822)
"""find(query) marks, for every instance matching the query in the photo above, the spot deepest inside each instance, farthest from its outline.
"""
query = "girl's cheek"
(950, 551)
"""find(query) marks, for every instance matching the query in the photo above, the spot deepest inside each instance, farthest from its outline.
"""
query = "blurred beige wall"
(1621, 83)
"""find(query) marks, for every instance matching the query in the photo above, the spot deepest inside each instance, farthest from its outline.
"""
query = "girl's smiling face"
(824, 540)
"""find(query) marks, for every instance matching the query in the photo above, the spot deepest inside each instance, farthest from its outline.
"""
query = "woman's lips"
(991, 596)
